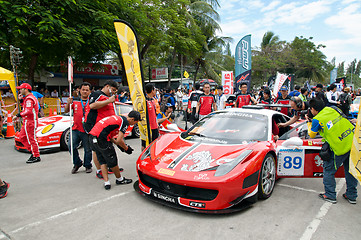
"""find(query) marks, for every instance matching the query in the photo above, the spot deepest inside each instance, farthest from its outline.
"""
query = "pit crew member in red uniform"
(244, 98)
(30, 121)
(192, 102)
(206, 102)
(266, 97)
(80, 107)
(107, 131)
(284, 99)
(152, 115)
(101, 106)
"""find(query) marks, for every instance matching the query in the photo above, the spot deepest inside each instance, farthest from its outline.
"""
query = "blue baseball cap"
(169, 105)
(284, 87)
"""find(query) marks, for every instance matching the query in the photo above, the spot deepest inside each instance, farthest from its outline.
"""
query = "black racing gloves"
(128, 151)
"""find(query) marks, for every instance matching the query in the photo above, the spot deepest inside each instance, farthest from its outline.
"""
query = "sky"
(333, 23)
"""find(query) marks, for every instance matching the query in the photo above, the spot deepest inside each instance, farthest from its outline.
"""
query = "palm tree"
(269, 41)
(211, 54)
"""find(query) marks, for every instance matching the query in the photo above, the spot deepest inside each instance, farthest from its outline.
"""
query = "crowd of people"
(98, 127)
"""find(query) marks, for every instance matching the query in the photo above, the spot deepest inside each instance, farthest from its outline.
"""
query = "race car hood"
(42, 122)
(173, 152)
(60, 123)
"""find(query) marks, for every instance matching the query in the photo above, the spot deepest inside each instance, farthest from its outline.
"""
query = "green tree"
(341, 69)
(48, 31)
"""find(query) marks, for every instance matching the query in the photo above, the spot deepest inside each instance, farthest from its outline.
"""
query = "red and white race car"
(225, 160)
(53, 132)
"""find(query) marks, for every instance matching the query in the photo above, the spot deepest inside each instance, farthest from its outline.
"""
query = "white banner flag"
(280, 79)
(227, 82)
(70, 69)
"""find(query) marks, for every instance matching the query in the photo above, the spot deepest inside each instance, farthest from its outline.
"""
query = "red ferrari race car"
(226, 161)
(53, 132)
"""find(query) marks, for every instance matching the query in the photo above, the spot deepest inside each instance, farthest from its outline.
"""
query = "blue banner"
(333, 75)
(243, 62)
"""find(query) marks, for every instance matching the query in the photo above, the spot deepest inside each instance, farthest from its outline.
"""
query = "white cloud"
(234, 27)
(348, 21)
(271, 6)
(292, 14)
(341, 48)
(348, 1)
(255, 4)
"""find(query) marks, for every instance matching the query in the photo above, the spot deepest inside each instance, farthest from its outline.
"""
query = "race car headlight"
(47, 128)
(227, 167)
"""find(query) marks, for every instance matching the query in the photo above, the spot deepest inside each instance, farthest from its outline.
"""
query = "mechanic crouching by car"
(107, 131)
(30, 121)
(337, 130)
(80, 107)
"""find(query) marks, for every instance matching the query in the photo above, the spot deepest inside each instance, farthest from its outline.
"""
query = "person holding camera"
(299, 110)
(166, 114)
(337, 130)
(107, 131)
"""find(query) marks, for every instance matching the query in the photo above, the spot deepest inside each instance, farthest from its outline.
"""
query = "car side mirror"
(173, 127)
(293, 142)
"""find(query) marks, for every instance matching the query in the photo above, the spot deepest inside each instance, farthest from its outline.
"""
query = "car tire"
(267, 177)
(65, 136)
(136, 131)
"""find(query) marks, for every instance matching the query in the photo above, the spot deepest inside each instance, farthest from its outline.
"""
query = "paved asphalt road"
(46, 201)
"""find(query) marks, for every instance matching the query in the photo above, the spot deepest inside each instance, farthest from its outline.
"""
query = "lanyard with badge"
(83, 107)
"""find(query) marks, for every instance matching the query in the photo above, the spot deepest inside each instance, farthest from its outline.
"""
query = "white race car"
(53, 132)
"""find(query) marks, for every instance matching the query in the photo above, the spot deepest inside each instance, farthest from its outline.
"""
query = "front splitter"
(236, 208)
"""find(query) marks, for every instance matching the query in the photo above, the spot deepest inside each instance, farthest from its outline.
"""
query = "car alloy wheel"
(267, 177)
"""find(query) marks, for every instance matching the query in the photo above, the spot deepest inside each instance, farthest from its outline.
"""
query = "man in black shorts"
(107, 131)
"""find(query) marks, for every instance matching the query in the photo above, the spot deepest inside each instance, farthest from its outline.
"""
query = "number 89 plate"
(291, 162)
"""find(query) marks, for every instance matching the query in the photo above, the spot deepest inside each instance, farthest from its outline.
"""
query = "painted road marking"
(312, 227)
(68, 212)
(297, 188)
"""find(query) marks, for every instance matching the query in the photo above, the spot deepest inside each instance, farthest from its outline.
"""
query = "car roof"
(262, 111)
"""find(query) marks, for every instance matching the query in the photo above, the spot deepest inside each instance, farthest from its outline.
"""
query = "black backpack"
(343, 99)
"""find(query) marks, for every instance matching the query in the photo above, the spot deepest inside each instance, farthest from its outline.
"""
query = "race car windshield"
(231, 127)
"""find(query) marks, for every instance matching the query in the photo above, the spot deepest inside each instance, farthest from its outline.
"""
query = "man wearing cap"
(166, 115)
(284, 99)
(30, 117)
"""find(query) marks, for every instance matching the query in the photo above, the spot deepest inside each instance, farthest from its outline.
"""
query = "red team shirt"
(30, 108)
(243, 99)
(286, 101)
(80, 109)
(95, 115)
(206, 103)
(152, 114)
(109, 127)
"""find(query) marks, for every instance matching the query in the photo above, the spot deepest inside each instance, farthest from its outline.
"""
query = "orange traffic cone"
(50, 112)
(55, 113)
(10, 131)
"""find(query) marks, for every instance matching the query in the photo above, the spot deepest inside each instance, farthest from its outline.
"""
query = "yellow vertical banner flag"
(130, 55)
(355, 155)
(9, 76)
